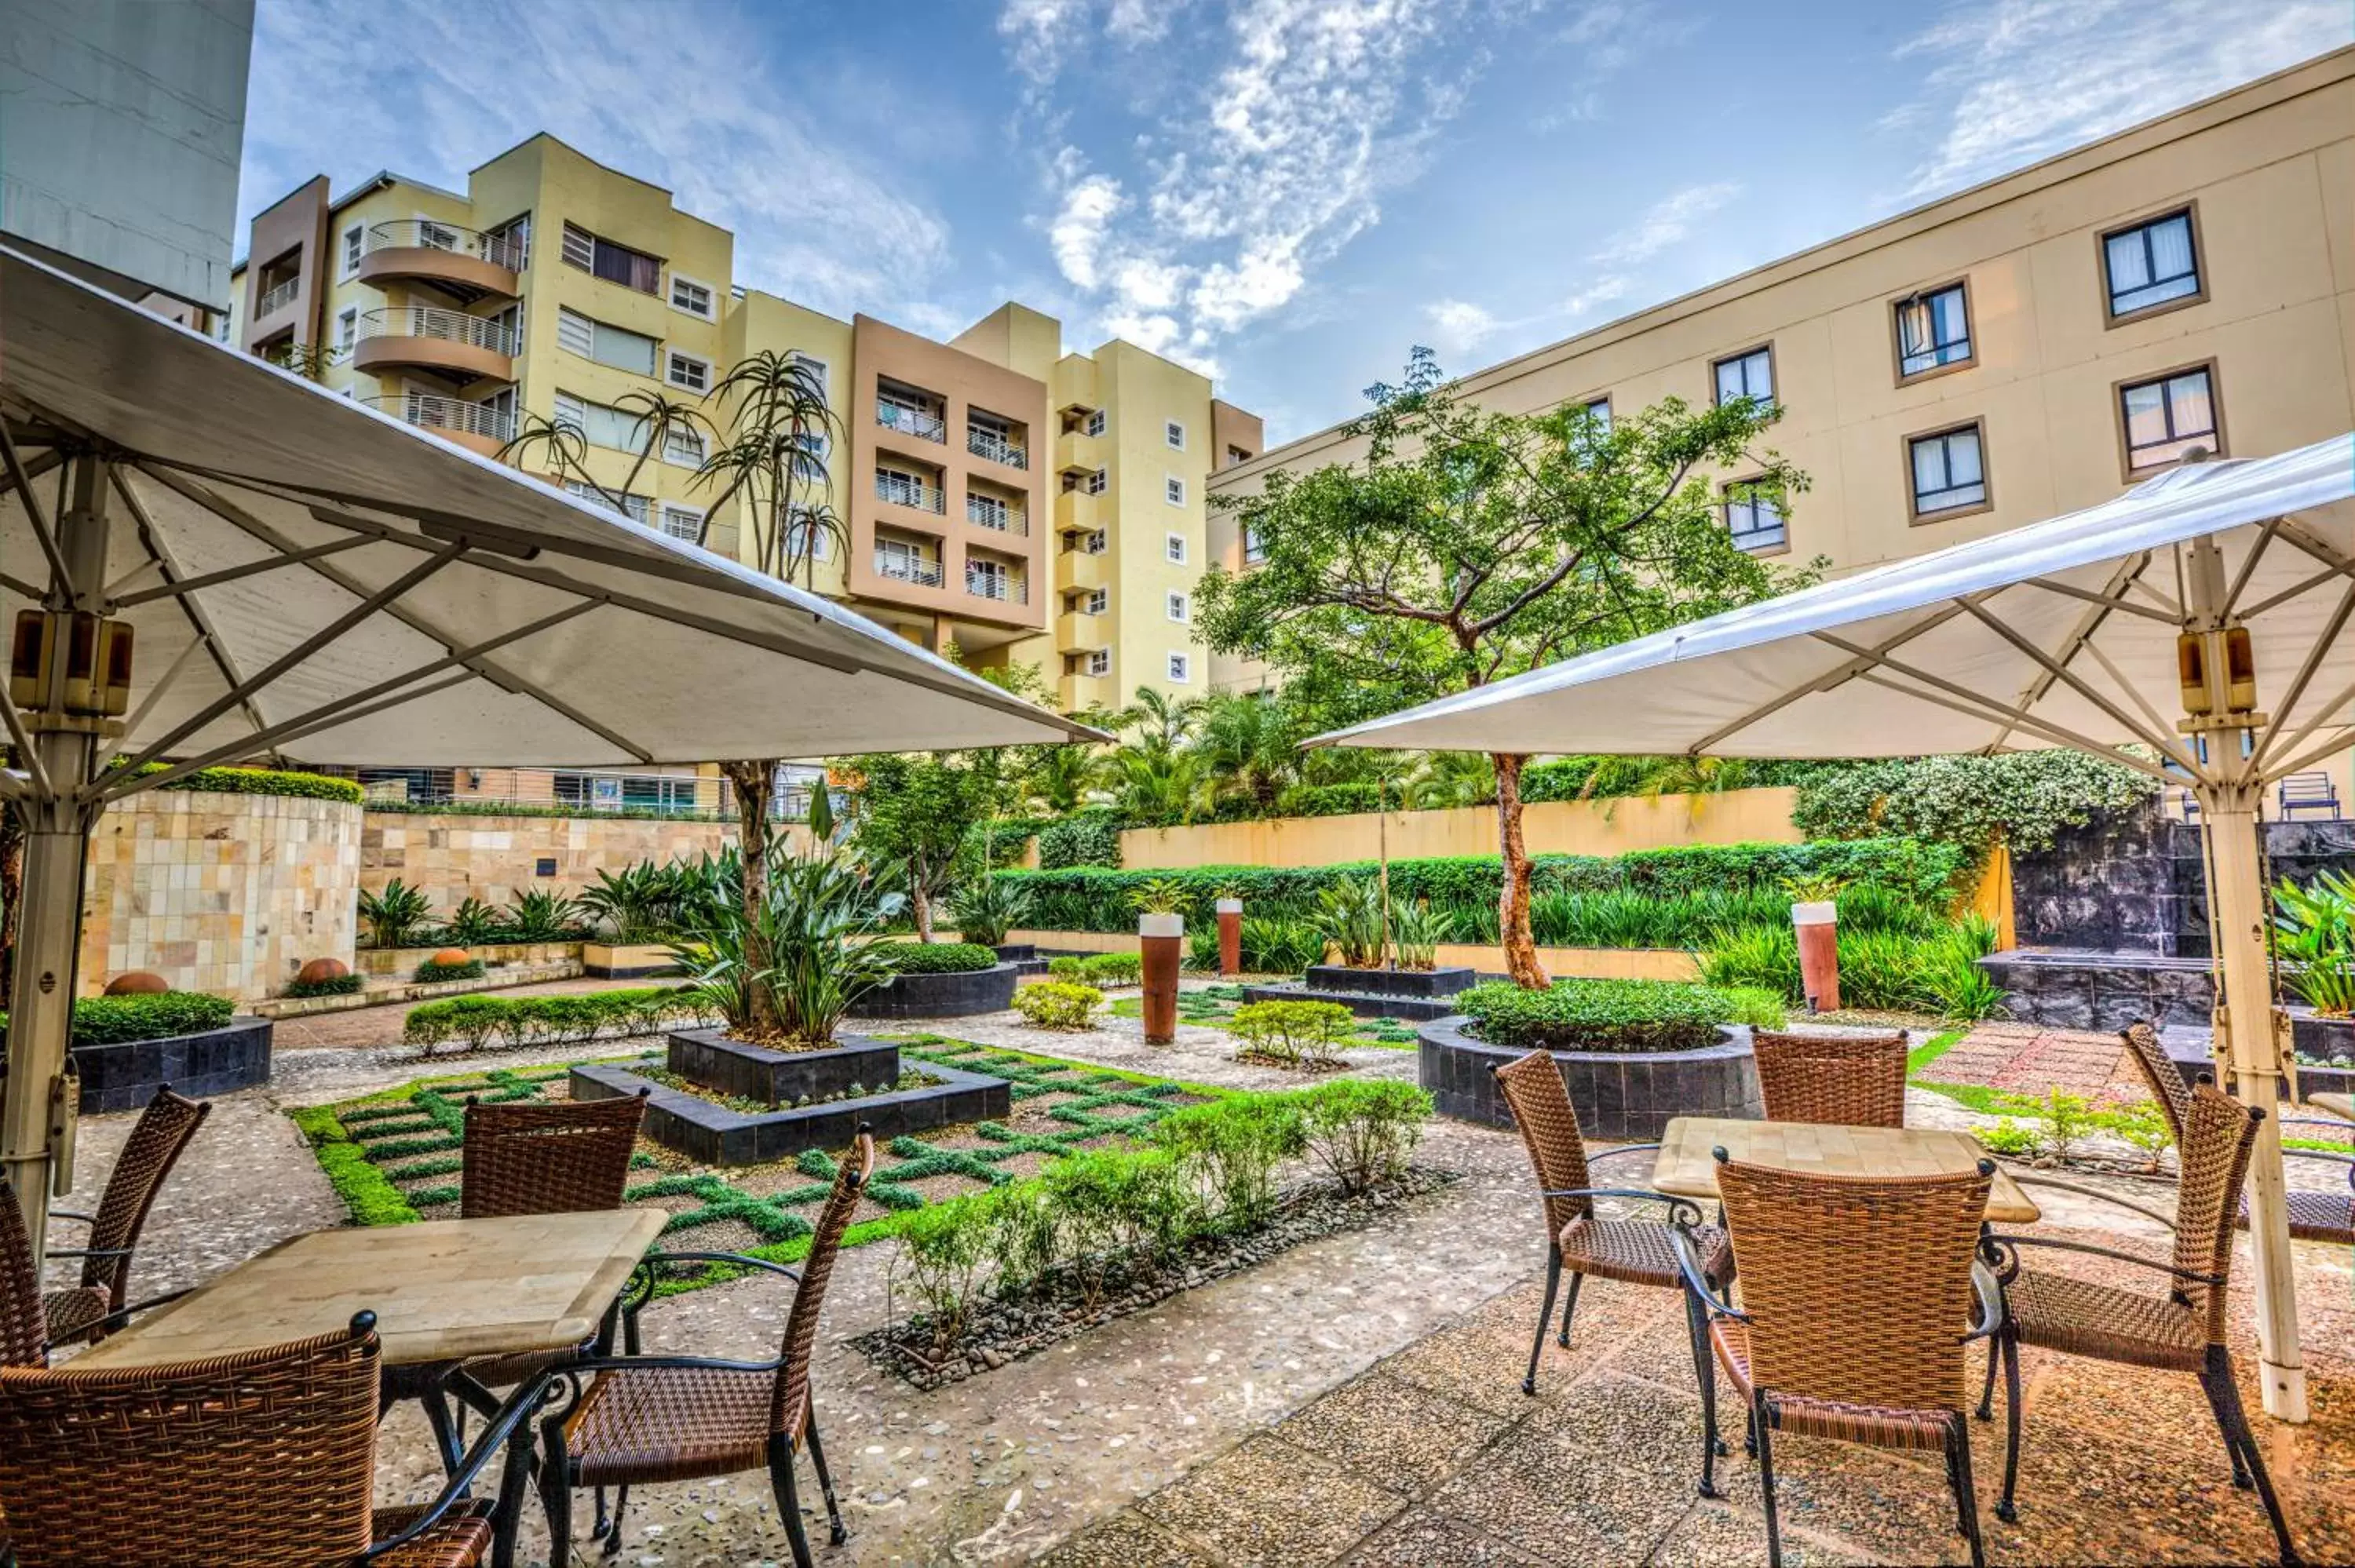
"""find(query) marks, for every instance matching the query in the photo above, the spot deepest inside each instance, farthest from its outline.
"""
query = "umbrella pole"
(2248, 1036)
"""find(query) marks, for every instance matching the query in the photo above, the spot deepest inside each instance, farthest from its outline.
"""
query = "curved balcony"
(424, 337)
(470, 424)
(463, 263)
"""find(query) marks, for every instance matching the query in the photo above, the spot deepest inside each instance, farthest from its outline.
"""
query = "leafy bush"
(986, 908)
(118, 1020)
(1416, 931)
(646, 902)
(2022, 799)
(632, 1010)
(1332, 799)
(1363, 1129)
(396, 917)
(1275, 946)
(473, 924)
(429, 972)
(1612, 1014)
(2315, 932)
(1235, 1145)
(947, 1249)
(937, 958)
(1058, 1005)
(1089, 839)
(1881, 969)
(264, 781)
(2141, 1124)
(1098, 969)
(539, 915)
(334, 985)
(1348, 916)
(1298, 1033)
(802, 950)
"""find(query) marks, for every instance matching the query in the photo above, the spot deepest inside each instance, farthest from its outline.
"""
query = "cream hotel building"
(1000, 496)
(2034, 344)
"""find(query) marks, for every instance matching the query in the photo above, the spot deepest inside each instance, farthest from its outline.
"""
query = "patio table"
(2340, 1105)
(1686, 1168)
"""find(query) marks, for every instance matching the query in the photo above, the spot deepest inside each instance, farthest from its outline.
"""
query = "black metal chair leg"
(2006, 1510)
(1749, 1434)
(2241, 1476)
(600, 1522)
(789, 1502)
(1705, 1377)
(1545, 1313)
(2226, 1394)
(1766, 1481)
(556, 1492)
(1987, 1395)
(826, 1486)
(445, 1431)
(1569, 1305)
(613, 1535)
(1966, 1499)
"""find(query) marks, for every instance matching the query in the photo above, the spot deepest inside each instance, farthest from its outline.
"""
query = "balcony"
(989, 512)
(463, 262)
(470, 424)
(1079, 569)
(899, 490)
(1078, 509)
(985, 443)
(1005, 587)
(426, 337)
(277, 297)
(917, 571)
(1078, 631)
(910, 420)
(1077, 452)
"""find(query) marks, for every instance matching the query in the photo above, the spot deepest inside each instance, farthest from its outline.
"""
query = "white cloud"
(1077, 235)
(1664, 223)
(1602, 291)
(2017, 80)
(1458, 326)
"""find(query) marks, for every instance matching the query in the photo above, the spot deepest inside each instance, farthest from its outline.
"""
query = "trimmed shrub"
(2021, 798)
(334, 985)
(1298, 1033)
(1098, 969)
(157, 1015)
(434, 970)
(1333, 800)
(1234, 1146)
(1612, 1014)
(1092, 838)
(1363, 1129)
(938, 957)
(536, 1019)
(265, 781)
(1058, 1005)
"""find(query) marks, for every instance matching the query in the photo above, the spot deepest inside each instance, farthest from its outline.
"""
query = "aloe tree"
(773, 459)
(562, 446)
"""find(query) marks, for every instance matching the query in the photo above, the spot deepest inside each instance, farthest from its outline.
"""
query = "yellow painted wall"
(761, 322)
(1551, 827)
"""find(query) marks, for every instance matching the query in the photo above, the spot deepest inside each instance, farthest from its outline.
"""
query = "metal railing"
(908, 421)
(276, 298)
(902, 568)
(424, 234)
(995, 448)
(1003, 587)
(906, 493)
(431, 411)
(986, 512)
(431, 320)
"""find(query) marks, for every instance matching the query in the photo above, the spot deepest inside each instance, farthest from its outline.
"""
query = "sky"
(1288, 194)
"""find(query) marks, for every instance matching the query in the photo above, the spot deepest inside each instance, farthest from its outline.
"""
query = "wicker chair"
(1838, 1080)
(1857, 1292)
(2180, 1328)
(265, 1459)
(163, 1129)
(650, 1419)
(2314, 1215)
(24, 1313)
(1635, 1252)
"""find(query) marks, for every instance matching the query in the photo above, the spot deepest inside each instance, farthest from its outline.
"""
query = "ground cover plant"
(1883, 970)
(1612, 1014)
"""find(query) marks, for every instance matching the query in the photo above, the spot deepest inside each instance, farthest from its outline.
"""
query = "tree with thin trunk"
(1465, 546)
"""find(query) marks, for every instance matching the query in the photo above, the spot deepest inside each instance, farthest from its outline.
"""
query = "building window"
(682, 522)
(1181, 669)
(347, 328)
(355, 245)
(1172, 490)
(1177, 607)
(1934, 331)
(987, 511)
(1754, 517)
(1099, 661)
(813, 371)
(694, 298)
(600, 425)
(636, 508)
(614, 263)
(905, 489)
(809, 463)
(1948, 470)
(1096, 542)
(1174, 433)
(1095, 426)
(1097, 480)
(435, 235)
(1747, 374)
(682, 446)
(2167, 416)
(1097, 601)
(806, 540)
(1237, 455)
(1254, 547)
(616, 347)
(509, 244)
(2153, 263)
(1174, 546)
(688, 371)
(1598, 409)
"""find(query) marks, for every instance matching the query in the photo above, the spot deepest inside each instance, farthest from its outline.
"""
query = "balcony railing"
(908, 492)
(985, 513)
(995, 448)
(917, 422)
(902, 568)
(431, 411)
(420, 233)
(431, 320)
(277, 298)
(1003, 587)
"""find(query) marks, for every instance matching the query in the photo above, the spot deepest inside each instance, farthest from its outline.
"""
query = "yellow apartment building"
(2031, 346)
(996, 495)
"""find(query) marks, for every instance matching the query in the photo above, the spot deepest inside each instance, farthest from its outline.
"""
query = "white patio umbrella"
(222, 561)
(2218, 592)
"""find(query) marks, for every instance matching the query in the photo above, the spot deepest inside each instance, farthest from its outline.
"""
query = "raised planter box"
(2070, 988)
(124, 1077)
(781, 1077)
(401, 962)
(1620, 1095)
(1025, 957)
(1364, 1003)
(714, 1134)
(611, 961)
(942, 996)
(1425, 983)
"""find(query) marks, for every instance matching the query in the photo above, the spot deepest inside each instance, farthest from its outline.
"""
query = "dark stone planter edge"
(124, 1075)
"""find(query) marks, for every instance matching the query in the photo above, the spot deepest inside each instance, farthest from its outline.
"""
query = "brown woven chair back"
(2160, 1073)
(557, 1157)
(1851, 1080)
(789, 1405)
(1859, 1289)
(24, 1327)
(2219, 1135)
(264, 1460)
(148, 1155)
(1533, 1091)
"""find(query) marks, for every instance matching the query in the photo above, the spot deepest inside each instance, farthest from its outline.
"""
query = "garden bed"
(949, 994)
(1005, 1331)
(1626, 1095)
(124, 1075)
(712, 1132)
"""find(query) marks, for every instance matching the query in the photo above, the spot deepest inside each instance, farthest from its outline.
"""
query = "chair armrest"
(2111, 1252)
(520, 1407)
(660, 1363)
(90, 1252)
(2330, 1154)
(122, 1315)
(1680, 1242)
(1630, 1149)
(1677, 1206)
(741, 1259)
(641, 1288)
(2083, 1191)
(92, 1218)
(1989, 1291)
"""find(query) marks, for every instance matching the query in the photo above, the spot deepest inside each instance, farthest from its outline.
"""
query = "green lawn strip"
(1930, 1050)
(1391, 1033)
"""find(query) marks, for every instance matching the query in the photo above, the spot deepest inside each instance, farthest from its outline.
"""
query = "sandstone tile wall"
(451, 858)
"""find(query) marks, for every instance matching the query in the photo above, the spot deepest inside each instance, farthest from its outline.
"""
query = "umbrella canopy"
(2218, 593)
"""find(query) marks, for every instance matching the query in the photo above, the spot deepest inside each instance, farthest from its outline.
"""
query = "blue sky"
(1287, 193)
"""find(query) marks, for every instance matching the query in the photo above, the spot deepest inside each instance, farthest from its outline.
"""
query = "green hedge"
(1090, 838)
(1612, 1014)
(938, 957)
(540, 1020)
(263, 782)
(118, 1020)
(1466, 888)
(337, 985)
(1333, 800)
